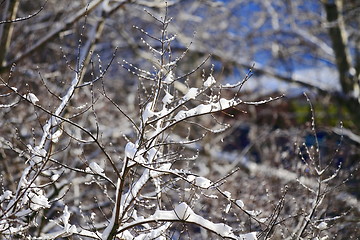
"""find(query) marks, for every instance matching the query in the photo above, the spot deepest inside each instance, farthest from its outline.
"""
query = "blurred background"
(295, 46)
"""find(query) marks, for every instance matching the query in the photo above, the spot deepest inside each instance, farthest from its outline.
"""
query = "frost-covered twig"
(164, 109)
(312, 158)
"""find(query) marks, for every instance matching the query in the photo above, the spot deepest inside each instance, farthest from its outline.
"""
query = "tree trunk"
(6, 29)
(348, 75)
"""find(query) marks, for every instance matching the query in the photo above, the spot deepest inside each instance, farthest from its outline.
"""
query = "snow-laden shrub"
(142, 179)
(94, 168)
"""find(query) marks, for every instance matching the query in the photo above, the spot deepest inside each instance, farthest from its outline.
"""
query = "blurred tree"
(314, 44)
(280, 36)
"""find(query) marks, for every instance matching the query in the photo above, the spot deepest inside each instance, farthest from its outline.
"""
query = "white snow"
(167, 99)
(55, 177)
(322, 226)
(125, 235)
(23, 213)
(65, 99)
(151, 154)
(263, 220)
(148, 113)
(202, 182)
(203, 108)
(249, 236)
(191, 94)
(36, 198)
(164, 167)
(227, 209)
(239, 203)
(37, 154)
(154, 234)
(135, 189)
(95, 168)
(183, 211)
(222, 104)
(37, 151)
(56, 135)
(181, 115)
(68, 228)
(253, 212)
(169, 78)
(210, 81)
(130, 150)
(54, 121)
(105, 234)
(6, 195)
(227, 194)
(66, 216)
(31, 97)
(191, 178)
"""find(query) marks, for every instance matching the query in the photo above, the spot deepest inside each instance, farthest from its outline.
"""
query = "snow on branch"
(183, 213)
